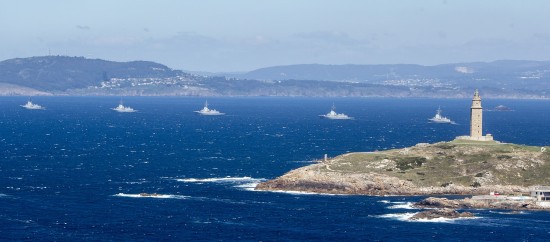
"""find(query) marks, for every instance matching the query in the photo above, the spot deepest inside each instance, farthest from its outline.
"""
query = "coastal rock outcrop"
(441, 213)
(486, 203)
(310, 179)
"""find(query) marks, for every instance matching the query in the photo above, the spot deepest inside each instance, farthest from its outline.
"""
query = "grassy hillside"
(459, 162)
(59, 73)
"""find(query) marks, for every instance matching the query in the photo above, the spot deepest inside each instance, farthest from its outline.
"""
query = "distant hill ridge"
(63, 75)
(59, 73)
(509, 69)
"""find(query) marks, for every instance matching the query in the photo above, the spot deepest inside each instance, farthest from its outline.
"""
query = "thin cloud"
(83, 27)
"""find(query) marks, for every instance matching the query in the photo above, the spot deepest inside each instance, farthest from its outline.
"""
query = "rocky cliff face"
(314, 179)
(456, 167)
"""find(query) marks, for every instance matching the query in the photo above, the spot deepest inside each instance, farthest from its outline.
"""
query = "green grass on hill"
(464, 162)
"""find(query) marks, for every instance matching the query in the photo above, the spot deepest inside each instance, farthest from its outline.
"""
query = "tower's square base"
(487, 137)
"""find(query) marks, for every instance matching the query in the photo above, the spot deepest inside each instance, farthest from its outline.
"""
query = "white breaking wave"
(246, 183)
(398, 216)
(443, 220)
(406, 218)
(248, 186)
(402, 205)
(304, 193)
(509, 212)
(151, 196)
(227, 179)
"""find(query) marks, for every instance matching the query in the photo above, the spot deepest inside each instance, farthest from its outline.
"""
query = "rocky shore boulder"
(495, 203)
(441, 213)
(438, 202)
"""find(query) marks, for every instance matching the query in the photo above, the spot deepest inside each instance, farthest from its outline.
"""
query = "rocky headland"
(460, 167)
(481, 203)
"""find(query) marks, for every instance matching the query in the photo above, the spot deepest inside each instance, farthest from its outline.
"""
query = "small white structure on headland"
(540, 193)
(476, 121)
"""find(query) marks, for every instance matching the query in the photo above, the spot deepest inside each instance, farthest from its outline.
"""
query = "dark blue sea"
(74, 171)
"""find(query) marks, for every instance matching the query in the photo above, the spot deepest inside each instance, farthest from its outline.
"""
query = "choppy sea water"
(75, 170)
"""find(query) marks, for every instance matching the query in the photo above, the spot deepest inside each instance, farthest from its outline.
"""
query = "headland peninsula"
(469, 165)
(459, 167)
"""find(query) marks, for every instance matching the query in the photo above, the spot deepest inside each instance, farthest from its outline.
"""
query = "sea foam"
(246, 183)
(305, 193)
(406, 218)
(398, 216)
(218, 179)
(151, 196)
(248, 186)
(401, 205)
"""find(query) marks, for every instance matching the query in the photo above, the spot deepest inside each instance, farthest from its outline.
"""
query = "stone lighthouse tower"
(476, 117)
(476, 121)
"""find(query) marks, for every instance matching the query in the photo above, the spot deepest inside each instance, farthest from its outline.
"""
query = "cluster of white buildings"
(151, 81)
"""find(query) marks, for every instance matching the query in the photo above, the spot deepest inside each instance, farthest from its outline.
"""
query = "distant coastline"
(79, 76)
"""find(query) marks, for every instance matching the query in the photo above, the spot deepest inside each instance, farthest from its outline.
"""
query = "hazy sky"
(242, 35)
